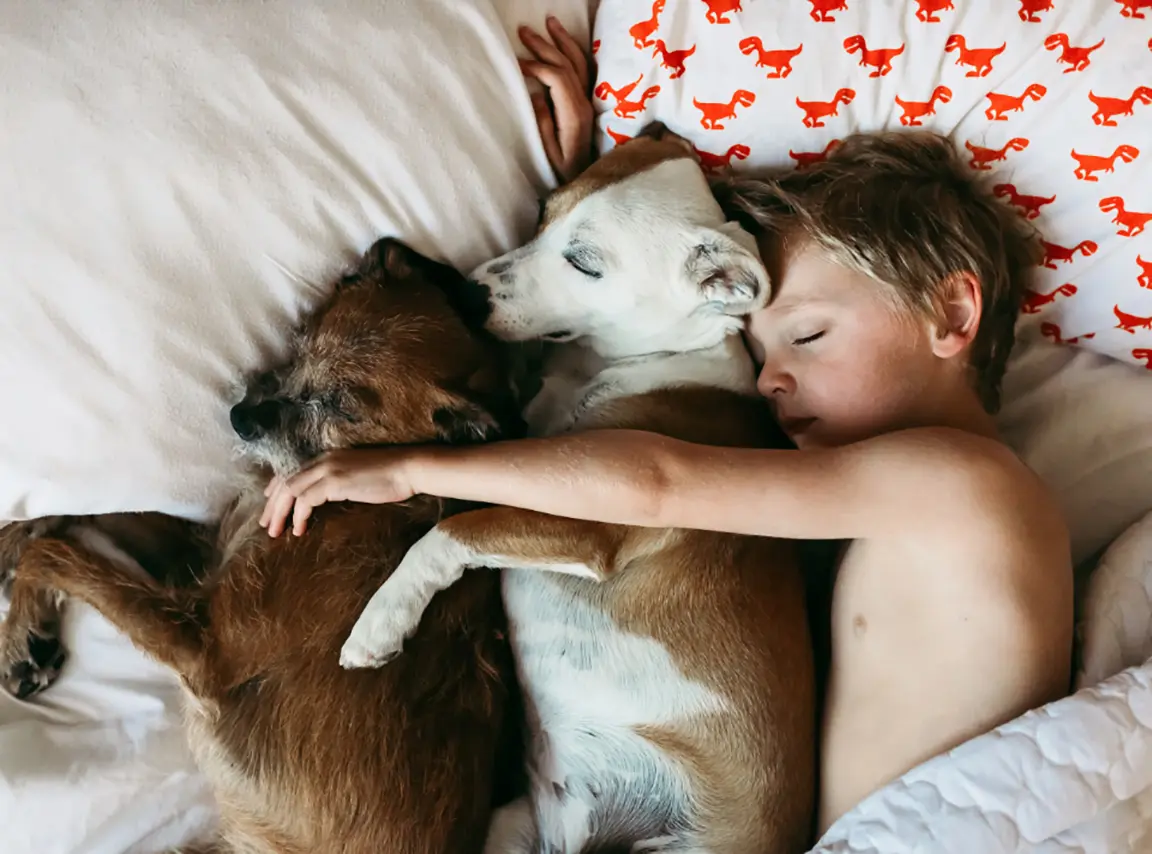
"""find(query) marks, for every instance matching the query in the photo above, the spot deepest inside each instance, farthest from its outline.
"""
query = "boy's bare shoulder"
(975, 482)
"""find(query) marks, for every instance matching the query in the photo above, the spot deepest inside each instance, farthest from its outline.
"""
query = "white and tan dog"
(667, 673)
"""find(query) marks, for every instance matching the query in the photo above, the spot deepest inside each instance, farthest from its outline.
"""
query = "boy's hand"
(368, 475)
(565, 116)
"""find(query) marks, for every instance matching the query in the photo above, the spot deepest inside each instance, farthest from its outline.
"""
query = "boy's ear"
(961, 308)
(727, 266)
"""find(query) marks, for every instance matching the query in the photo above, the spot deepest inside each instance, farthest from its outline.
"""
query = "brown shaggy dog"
(306, 757)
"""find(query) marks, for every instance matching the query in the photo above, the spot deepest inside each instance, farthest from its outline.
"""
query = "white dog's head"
(632, 257)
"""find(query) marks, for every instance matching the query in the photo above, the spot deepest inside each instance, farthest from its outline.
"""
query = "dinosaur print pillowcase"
(1050, 100)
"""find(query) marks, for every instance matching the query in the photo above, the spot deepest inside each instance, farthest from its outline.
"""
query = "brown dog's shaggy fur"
(306, 757)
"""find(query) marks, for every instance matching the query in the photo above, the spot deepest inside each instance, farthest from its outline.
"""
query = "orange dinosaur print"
(720, 162)
(999, 104)
(1131, 322)
(1034, 300)
(596, 47)
(1108, 108)
(780, 61)
(814, 111)
(1027, 206)
(1054, 333)
(822, 10)
(618, 138)
(1029, 9)
(712, 114)
(1131, 222)
(1090, 163)
(1055, 253)
(717, 9)
(927, 9)
(673, 60)
(982, 158)
(916, 110)
(1144, 280)
(880, 59)
(804, 159)
(979, 58)
(1131, 9)
(1076, 58)
(1143, 353)
(642, 32)
(624, 108)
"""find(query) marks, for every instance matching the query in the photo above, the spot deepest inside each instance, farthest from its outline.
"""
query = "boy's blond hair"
(905, 210)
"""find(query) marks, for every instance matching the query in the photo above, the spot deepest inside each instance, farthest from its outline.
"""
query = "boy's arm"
(867, 489)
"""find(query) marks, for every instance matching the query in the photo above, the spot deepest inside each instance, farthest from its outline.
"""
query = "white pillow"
(1117, 616)
(1081, 421)
(180, 180)
(1023, 89)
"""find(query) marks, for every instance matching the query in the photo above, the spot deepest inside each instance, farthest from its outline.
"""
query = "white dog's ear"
(728, 269)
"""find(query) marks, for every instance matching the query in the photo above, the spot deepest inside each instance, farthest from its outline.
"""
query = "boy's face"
(841, 360)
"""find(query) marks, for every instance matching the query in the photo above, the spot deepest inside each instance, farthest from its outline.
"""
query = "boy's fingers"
(541, 48)
(547, 126)
(303, 480)
(300, 515)
(280, 514)
(559, 82)
(567, 106)
(570, 48)
(269, 514)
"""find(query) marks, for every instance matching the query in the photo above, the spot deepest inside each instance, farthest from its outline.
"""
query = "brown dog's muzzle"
(251, 421)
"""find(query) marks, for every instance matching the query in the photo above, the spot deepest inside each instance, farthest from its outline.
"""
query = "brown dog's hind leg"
(31, 654)
(162, 622)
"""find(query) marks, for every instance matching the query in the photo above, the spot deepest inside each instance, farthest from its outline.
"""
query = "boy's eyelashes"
(808, 339)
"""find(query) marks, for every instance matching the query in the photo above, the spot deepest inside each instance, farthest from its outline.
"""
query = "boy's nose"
(774, 382)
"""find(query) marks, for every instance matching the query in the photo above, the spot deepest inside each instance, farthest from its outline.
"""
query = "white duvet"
(131, 295)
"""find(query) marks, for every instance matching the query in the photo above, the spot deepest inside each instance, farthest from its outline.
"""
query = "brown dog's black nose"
(251, 422)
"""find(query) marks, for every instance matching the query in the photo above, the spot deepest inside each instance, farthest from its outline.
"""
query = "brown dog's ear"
(466, 423)
(390, 255)
(398, 260)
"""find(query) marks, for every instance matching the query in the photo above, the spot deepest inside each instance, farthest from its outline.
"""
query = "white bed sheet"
(99, 764)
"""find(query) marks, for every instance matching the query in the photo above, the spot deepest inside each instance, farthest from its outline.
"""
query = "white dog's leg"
(431, 565)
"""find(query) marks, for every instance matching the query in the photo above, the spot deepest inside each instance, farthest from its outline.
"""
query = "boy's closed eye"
(808, 339)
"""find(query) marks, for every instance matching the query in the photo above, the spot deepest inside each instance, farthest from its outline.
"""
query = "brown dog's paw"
(31, 665)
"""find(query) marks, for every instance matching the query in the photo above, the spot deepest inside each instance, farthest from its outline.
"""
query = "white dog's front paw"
(379, 634)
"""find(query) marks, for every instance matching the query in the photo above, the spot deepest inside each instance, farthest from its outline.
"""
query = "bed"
(181, 178)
